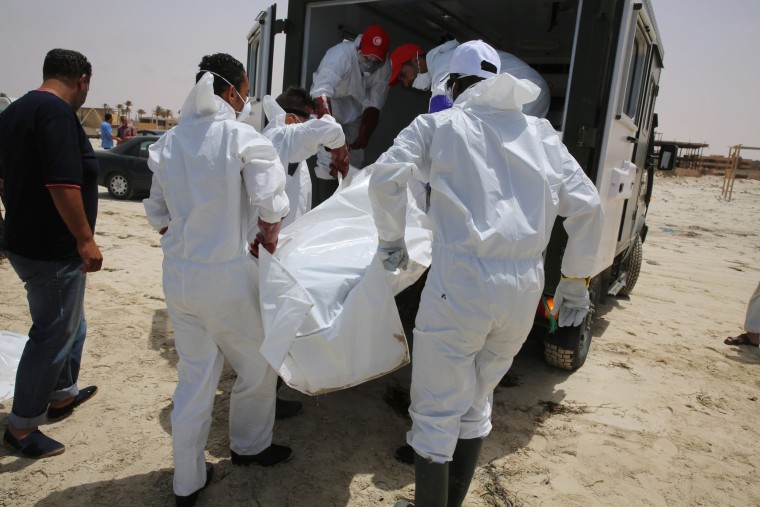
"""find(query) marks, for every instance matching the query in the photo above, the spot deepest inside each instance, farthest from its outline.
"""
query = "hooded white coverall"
(340, 78)
(752, 320)
(213, 177)
(294, 144)
(439, 57)
(498, 180)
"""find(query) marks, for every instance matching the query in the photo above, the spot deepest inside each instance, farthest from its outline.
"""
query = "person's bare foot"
(19, 433)
(61, 403)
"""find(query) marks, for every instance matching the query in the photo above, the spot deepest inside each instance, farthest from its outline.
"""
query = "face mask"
(422, 81)
(450, 82)
(367, 66)
(244, 113)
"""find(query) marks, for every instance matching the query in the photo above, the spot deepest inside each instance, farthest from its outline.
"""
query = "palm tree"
(128, 107)
(120, 108)
(168, 113)
(140, 112)
(158, 111)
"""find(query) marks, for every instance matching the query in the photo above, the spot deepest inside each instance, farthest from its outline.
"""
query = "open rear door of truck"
(260, 61)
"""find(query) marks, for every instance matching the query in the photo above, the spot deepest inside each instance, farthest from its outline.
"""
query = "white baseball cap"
(475, 58)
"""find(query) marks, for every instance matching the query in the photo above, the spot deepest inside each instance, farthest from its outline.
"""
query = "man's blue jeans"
(49, 366)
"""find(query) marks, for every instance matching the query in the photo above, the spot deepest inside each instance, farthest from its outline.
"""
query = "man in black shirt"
(51, 195)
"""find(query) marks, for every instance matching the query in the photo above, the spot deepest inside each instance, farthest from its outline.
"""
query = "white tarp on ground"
(11, 347)
(330, 319)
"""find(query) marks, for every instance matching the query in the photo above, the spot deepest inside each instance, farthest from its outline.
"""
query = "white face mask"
(244, 113)
(368, 65)
(422, 81)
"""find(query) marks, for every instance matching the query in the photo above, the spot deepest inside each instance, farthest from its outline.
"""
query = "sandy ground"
(662, 413)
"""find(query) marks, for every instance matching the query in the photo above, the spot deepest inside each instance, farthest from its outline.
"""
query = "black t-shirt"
(42, 144)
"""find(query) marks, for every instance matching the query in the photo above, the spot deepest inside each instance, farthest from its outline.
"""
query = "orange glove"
(370, 119)
(267, 237)
(323, 106)
(339, 163)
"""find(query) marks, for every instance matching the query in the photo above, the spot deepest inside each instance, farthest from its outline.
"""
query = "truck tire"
(632, 266)
(567, 348)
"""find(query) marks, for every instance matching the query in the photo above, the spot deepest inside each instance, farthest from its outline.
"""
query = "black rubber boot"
(462, 468)
(430, 482)
(191, 499)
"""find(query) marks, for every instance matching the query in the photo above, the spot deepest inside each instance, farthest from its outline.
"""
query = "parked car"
(151, 132)
(124, 169)
(5, 102)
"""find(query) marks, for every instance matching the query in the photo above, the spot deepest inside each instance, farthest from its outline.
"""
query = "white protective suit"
(294, 144)
(752, 320)
(439, 57)
(499, 179)
(340, 78)
(213, 177)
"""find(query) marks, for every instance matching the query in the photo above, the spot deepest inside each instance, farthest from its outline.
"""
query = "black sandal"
(35, 445)
(56, 414)
(742, 339)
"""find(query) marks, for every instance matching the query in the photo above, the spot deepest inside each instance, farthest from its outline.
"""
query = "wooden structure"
(734, 160)
(689, 155)
(716, 165)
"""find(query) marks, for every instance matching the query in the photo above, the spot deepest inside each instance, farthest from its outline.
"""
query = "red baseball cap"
(399, 57)
(375, 41)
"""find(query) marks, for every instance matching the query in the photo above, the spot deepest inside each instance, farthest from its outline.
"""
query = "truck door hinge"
(587, 137)
(280, 26)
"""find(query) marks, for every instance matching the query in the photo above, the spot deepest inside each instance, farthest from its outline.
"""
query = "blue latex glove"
(571, 301)
(439, 103)
(393, 254)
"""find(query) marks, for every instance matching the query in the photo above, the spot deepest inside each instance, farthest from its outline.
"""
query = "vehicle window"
(144, 148)
(636, 73)
(133, 151)
(253, 54)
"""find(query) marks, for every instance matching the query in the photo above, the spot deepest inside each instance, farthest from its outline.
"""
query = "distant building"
(691, 162)
(155, 123)
(93, 117)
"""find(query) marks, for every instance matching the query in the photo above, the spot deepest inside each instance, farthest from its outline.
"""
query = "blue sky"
(147, 52)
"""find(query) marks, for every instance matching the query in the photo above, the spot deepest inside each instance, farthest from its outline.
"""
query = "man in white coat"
(498, 179)
(218, 194)
(428, 71)
(351, 85)
(296, 136)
